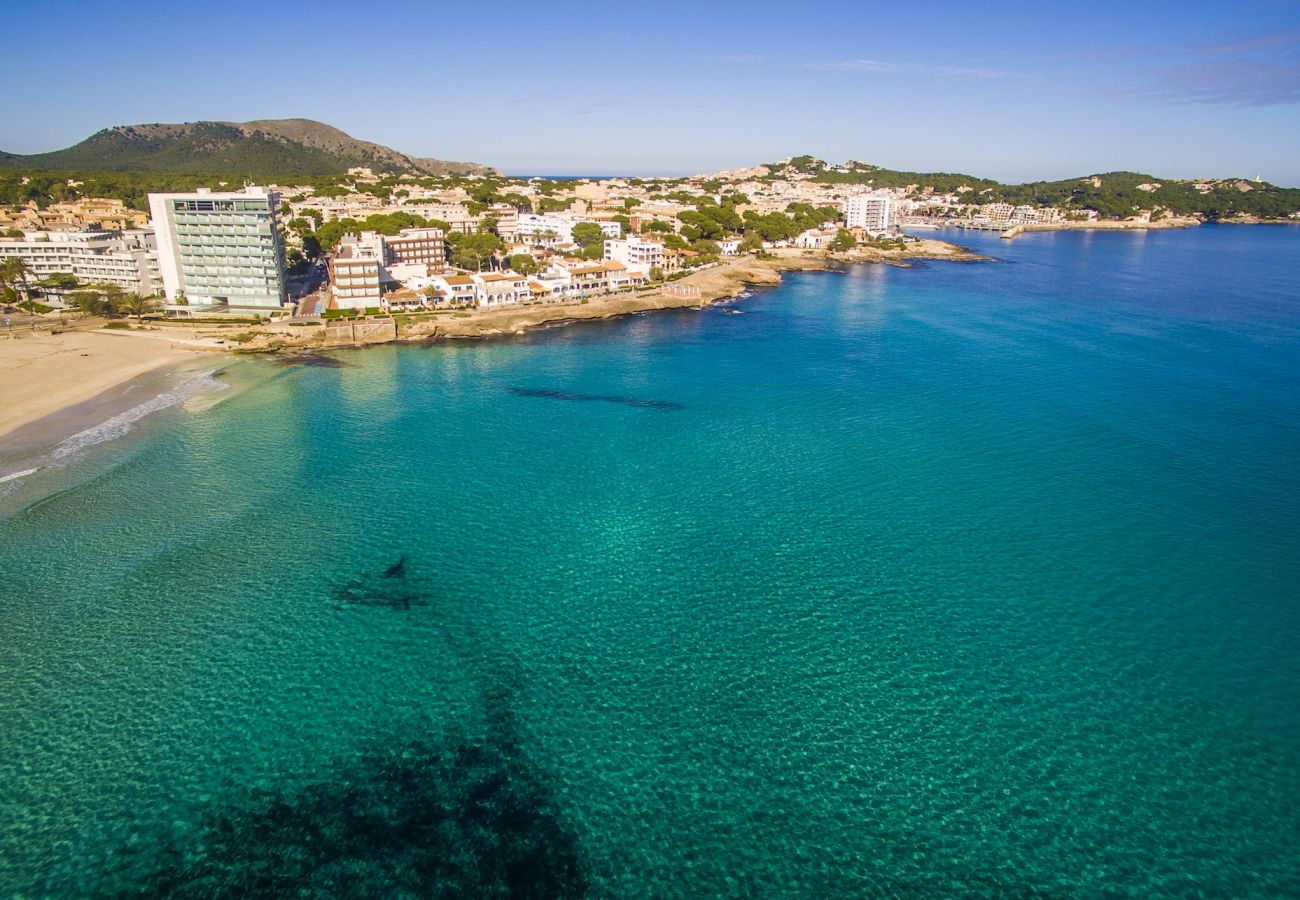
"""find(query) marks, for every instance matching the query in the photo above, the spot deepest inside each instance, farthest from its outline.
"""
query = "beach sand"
(45, 373)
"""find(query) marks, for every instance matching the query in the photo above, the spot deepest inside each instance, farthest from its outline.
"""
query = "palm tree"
(13, 273)
(135, 305)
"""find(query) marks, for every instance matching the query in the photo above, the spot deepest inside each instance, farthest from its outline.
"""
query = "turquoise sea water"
(965, 580)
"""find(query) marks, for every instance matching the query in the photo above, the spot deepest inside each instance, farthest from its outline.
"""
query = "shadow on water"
(393, 589)
(602, 398)
(457, 817)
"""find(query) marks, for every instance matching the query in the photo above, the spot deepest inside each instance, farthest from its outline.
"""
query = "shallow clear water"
(952, 581)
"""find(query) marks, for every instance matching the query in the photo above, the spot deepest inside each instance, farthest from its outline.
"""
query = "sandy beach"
(45, 373)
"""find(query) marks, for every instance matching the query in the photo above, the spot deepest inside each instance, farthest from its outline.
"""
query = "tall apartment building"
(128, 259)
(220, 248)
(874, 212)
(638, 254)
(356, 271)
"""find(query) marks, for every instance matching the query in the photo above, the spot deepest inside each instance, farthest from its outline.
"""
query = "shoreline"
(61, 392)
(720, 282)
(1172, 222)
(44, 373)
(59, 387)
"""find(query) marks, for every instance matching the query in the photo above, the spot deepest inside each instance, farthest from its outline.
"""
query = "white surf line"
(119, 425)
(22, 474)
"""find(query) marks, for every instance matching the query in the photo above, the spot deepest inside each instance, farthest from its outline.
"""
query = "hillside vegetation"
(264, 150)
(1110, 194)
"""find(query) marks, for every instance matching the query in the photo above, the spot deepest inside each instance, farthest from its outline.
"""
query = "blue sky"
(1009, 90)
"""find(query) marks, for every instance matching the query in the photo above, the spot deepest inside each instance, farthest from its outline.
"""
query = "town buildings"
(220, 249)
(127, 259)
(83, 214)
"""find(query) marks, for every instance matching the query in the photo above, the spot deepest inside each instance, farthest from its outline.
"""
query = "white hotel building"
(221, 249)
(128, 259)
(874, 212)
(636, 253)
(551, 229)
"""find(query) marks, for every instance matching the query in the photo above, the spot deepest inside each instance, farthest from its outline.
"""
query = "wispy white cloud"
(1259, 69)
(884, 67)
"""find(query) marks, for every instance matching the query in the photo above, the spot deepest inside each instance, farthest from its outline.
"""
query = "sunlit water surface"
(965, 580)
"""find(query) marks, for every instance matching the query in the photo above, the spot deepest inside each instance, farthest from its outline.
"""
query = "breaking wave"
(120, 424)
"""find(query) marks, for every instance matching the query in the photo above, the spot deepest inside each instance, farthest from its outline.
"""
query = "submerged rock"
(451, 816)
(601, 398)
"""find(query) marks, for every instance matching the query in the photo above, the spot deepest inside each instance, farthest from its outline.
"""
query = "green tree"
(14, 274)
(590, 238)
(518, 201)
(844, 240)
(523, 263)
(471, 251)
(58, 281)
(708, 250)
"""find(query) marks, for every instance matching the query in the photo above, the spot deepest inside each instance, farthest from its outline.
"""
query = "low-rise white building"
(815, 239)
(553, 229)
(570, 278)
(455, 290)
(502, 288)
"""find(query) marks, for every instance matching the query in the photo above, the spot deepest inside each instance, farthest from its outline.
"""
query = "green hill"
(265, 150)
(1117, 194)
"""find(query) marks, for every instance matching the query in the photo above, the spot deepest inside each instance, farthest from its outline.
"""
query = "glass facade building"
(220, 249)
